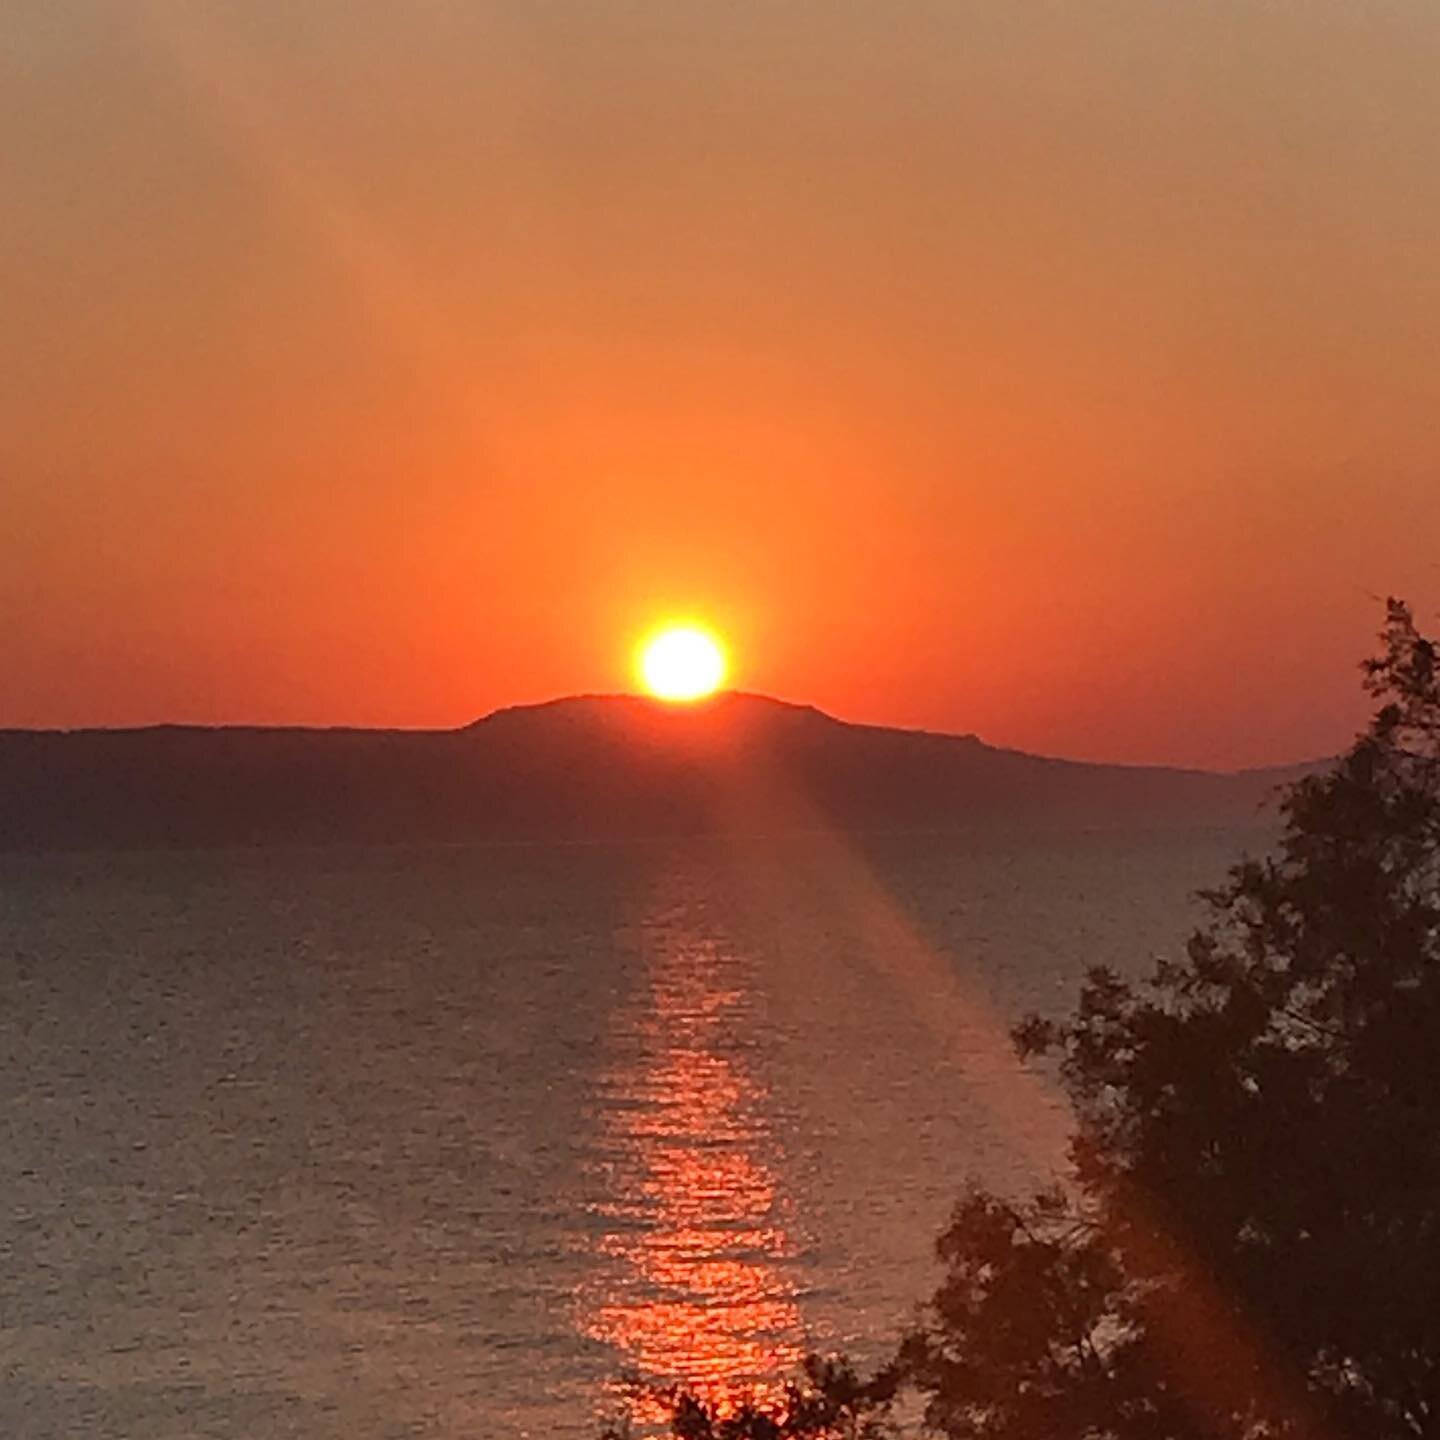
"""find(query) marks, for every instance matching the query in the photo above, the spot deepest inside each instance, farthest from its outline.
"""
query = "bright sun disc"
(682, 663)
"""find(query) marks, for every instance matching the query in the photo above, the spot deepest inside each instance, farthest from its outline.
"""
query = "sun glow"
(682, 663)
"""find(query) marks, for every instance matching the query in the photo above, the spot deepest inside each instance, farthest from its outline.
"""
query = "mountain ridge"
(577, 767)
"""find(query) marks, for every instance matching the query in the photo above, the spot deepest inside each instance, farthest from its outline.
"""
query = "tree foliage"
(1253, 1242)
(1250, 1245)
(828, 1401)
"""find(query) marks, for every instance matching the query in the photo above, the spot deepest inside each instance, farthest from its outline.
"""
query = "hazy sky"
(1065, 372)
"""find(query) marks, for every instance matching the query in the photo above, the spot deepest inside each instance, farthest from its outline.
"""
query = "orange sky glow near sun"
(1063, 376)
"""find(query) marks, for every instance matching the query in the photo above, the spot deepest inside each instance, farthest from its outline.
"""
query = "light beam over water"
(695, 1286)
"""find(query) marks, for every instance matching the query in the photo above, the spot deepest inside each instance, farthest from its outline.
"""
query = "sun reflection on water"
(695, 1285)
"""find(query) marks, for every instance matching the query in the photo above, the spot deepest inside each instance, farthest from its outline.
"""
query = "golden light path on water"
(693, 1228)
(696, 1232)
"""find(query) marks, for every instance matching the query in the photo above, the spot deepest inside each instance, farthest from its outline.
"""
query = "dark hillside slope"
(593, 767)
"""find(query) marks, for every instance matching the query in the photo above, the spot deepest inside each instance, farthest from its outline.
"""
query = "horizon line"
(678, 708)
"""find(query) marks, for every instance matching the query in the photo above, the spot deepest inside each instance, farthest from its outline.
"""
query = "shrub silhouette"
(1250, 1243)
(828, 1401)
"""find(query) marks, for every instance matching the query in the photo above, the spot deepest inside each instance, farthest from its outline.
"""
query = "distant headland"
(594, 767)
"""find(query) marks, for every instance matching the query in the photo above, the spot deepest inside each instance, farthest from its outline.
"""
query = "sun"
(681, 663)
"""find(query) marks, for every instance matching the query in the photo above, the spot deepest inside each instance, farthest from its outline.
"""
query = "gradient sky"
(1066, 373)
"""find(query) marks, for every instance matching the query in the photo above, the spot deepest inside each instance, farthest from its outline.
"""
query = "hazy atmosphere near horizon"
(376, 364)
(720, 720)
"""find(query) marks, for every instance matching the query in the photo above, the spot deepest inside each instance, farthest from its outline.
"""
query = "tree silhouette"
(828, 1401)
(1250, 1243)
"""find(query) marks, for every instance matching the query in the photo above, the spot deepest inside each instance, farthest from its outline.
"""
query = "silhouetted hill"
(591, 767)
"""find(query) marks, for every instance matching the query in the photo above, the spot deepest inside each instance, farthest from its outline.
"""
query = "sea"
(484, 1141)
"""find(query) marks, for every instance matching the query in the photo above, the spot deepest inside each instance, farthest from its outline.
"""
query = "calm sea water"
(439, 1142)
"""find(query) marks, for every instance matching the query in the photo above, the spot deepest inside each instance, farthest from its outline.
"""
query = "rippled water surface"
(439, 1142)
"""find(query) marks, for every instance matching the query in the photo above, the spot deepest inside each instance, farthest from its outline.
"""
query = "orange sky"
(1064, 373)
